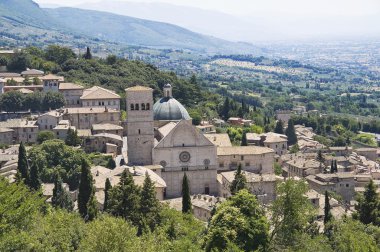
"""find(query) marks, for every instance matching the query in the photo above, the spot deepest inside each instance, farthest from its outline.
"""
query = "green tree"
(294, 149)
(320, 157)
(85, 189)
(111, 164)
(368, 205)
(239, 182)
(279, 129)
(59, 54)
(225, 109)
(149, 205)
(328, 217)
(124, 199)
(240, 222)
(61, 198)
(92, 207)
(244, 141)
(291, 133)
(53, 100)
(44, 136)
(186, 198)
(35, 181)
(88, 54)
(291, 213)
(12, 101)
(72, 138)
(19, 62)
(22, 165)
(107, 189)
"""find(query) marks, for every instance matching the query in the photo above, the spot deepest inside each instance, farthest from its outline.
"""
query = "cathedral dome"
(169, 109)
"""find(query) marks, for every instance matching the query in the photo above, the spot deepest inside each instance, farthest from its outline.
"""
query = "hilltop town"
(59, 130)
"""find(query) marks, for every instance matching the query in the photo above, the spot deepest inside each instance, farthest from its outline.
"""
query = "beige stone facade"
(24, 130)
(100, 97)
(186, 150)
(98, 143)
(49, 120)
(6, 136)
(251, 158)
(72, 93)
(276, 142)
(107, 128)
(340, 183)
(140, 125)
(84, 118)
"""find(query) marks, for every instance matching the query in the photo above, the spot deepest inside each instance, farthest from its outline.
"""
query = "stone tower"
(140, 124)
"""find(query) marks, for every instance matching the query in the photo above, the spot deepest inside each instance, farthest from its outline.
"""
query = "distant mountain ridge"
(22, 18)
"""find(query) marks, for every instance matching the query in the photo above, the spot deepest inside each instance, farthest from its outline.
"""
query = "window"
(57, 133)
(147, 106)
(99, 103)
(242, 158)
(93, 103)
(206, 167)
(132, 107)
(207, 189)
(167, 93)
(347, 185)
(109, 102)
(137, 106)
(247, 164)
(221, 164)
(185, 168)
(142, 106)
(139, 131)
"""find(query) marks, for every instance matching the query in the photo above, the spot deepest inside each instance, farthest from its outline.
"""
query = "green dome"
(169, 109)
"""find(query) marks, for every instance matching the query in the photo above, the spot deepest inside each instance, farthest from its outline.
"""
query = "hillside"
(141, 32)
(23, 23)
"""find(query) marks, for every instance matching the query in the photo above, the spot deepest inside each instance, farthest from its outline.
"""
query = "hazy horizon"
(250, 20)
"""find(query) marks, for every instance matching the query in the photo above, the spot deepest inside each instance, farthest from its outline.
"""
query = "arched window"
(167, 93)
(139, 131)
(142, 106)
(147, 106)
(132, 107)
(137, 106)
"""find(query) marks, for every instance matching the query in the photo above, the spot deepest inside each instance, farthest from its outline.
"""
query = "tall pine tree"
(22, 166)
(279, 129)
(124, 199)
(149, 205)
(186, 198)
(327, 218)
(85, 188)
(61, 198)
(35, 182)
(368, 206)
(88, 54)
(107, 189)
(239, 182)
(291, 133)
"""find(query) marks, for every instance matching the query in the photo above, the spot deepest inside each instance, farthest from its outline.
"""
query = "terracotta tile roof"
(32, 72)
(106, 126)
(243, 150)
(52, 77)
(69, 86)
(96, 92)
(220, 140)
(138, 88)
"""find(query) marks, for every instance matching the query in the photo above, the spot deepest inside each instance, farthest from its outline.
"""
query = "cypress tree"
(335, 166)
(244, 141)
(332, 168)
(92, 207)
(111, 164)
(279, 129)
(107, 189)
(320, 157)
(367, 209)
(226, 108)
(239, 182)
(291, 133)
(88, 54)
(327, 209)
(35, 182)
(149, 205)
(85, 188)
(22, 166)
(61, 198)
(186, 199)
(124, 199)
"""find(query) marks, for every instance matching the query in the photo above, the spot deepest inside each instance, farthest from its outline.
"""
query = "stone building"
(62, 129)
(340, 183)
(251, 158)
(274, 141)
(341, 150)
(51, 82)
(72, 93)
(300, 167)
(219, 140)
(261, 185)
(283, 115)
(49, 120)
(369, 153)
(6, 136)
(23, 130)
(100, 97)
(107, 128)
(140, 130)
(104, 142)
(85, 117)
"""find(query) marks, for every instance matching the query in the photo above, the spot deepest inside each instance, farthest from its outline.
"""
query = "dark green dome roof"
(169, 109)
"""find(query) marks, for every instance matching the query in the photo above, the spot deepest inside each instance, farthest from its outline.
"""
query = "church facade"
(179, 148)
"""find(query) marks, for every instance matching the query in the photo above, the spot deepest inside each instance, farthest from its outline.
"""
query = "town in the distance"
(53, 131)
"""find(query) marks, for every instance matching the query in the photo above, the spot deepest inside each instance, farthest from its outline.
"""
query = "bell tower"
(140, 124)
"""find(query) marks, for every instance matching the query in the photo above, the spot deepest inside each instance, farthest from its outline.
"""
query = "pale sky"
(284, 7)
